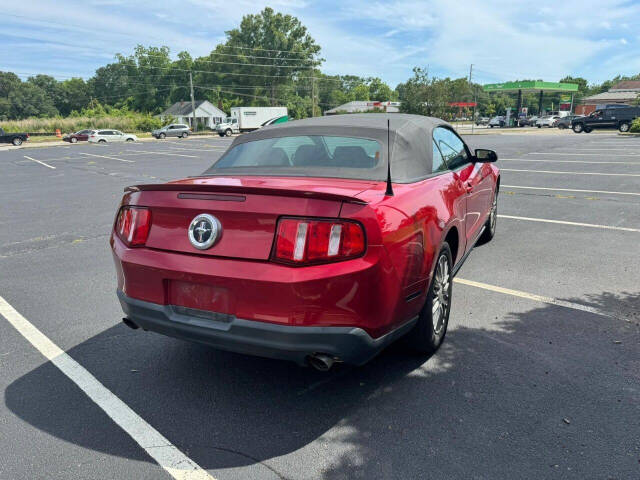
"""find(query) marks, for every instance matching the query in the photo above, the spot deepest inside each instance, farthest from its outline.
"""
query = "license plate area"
(201, 300)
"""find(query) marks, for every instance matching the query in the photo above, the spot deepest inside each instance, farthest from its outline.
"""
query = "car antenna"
(389, 192)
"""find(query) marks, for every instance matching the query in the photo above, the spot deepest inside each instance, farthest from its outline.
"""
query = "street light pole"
(193, 104)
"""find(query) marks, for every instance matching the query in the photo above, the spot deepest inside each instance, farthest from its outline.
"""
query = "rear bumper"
(226, 332)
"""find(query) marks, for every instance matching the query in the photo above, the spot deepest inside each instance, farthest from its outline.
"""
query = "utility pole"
(473, 117)
(193, 104)
(313, 96)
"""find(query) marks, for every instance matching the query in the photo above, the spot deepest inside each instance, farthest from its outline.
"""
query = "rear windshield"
(316, 155)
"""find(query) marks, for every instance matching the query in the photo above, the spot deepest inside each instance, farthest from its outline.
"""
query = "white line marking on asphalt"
(164, 153)
(573, 173)
(105, 156)
(532, 296)
(211, 149)
(176, 463)
(576, 224)
(40, 162)
(564, 161)
(583, 154)
(571, 190)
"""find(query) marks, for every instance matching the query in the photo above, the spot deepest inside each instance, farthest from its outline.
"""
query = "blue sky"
(505, 40)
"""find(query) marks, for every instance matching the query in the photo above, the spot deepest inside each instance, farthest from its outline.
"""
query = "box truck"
(245, 119)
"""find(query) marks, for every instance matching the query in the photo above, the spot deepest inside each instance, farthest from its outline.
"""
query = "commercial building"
(364, 106)
(623, 93)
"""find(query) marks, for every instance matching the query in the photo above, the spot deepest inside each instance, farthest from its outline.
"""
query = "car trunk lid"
(247, 209)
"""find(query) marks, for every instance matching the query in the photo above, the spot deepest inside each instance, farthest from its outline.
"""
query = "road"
(539, 376)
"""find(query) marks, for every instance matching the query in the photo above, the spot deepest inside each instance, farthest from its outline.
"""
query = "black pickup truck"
(611, 117)
(15, 138)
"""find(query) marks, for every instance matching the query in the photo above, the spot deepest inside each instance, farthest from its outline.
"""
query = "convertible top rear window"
(303, 155)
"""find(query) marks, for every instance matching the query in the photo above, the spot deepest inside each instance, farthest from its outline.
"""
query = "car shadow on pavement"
(545, 393)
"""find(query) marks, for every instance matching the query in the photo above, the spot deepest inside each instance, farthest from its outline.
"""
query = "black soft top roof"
(409, 135)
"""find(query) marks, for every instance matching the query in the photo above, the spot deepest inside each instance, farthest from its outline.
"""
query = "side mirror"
(484, 155)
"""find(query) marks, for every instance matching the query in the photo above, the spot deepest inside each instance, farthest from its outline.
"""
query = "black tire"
(539, 126)
(228, 132)
(129, 140)
(73, 140)
(490, 225)
(102, 140)
(221, 134)
(624, 127)
(501, 124)
(184, 135)
(17, 141)
(490, 126)
(162, 136)
(425, 337)
(562, 126)
(588, 129)
(578, 128)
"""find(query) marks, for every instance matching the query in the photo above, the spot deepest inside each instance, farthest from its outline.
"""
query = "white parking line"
(211, 149)
(546, 160)
(40, 162)
(571, 190)
(172, 460)
(532, 296)
(583, 154)
(105, 156)
(164, 153)
(573, 173)
(576, 224)
(564, 161)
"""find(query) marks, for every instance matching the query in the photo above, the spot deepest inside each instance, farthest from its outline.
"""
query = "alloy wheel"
(441, 294)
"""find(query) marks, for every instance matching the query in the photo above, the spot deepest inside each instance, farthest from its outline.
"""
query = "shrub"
(635, 125)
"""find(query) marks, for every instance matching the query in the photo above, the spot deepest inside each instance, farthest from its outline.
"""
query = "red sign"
(463, 104)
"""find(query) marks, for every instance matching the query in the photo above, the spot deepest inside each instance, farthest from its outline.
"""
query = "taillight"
(303, 241)
(133, 225)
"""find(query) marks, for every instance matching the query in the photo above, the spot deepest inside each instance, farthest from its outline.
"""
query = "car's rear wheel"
(185, 135)
(17, 141)
(562, 126)
(102, 140)
(624, 127)
(129, 139)
(228, 132)
(162, 136)
(490, 225)
(429, 332)
(74, 140)
(578, 128)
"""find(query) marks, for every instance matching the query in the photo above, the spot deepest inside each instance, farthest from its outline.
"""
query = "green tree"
(29, 100)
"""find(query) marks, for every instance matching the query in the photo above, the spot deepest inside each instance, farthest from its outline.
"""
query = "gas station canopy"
(531, 86)
(534, 86)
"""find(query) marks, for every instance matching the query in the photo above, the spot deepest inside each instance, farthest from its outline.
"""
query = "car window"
(438, 164)
(303, 154)
(452, 148)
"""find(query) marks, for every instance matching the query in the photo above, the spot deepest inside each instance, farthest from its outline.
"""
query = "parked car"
(79, 136)
(15, 138)
(179, 130)
(565, 122)
(482, 121)
(104, 136)
(304, 241)
(616, 117)
(498, 121)
(547, 121)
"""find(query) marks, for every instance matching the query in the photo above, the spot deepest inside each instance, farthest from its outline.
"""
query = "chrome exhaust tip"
(321, 362)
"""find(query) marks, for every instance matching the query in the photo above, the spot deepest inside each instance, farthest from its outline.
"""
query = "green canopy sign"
(531, 86)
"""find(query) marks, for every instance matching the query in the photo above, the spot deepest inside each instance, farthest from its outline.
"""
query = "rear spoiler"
(283, 192)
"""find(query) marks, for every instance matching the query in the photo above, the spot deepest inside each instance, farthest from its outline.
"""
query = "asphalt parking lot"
(539, 376)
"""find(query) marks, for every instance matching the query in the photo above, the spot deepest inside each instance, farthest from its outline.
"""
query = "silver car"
(108, 136)
(179, 130)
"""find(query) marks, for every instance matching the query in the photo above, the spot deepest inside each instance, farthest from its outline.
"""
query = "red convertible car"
(318, 241)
